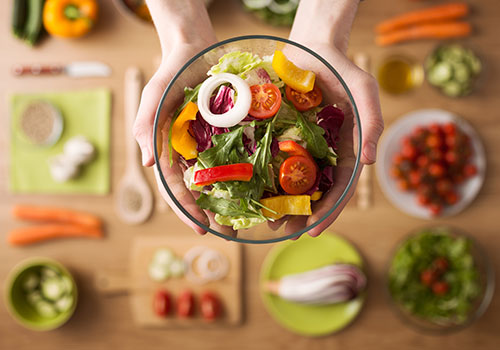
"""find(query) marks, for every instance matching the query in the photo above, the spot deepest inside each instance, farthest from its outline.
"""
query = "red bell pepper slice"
(231, 172)
(294, 149)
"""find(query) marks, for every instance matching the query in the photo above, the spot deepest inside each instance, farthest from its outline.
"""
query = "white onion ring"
(235, 114)
(204, 257)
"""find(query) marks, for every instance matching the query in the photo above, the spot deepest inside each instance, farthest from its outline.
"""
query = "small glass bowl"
(334, 90)
(480, 304)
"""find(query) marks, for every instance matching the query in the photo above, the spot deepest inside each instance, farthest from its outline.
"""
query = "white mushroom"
(79, 150)
(62, 169)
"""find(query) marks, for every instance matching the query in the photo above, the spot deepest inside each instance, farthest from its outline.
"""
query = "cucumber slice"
(256, 4)
(283, 7)
(177, 268)
(47, 273)
(31, 281)
(453, 53)
(453, 89)
(33, 298)
(64, 304)
(67, 284)
(53, 288)
(440, 73)
(461, 73)
(473, 62)
(158, 272)
(45, 309)
(164, 257)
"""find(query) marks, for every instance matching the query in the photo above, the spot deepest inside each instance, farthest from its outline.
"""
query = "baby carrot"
(34, 234)
(439, 13)
(55, 215)
(426, 31)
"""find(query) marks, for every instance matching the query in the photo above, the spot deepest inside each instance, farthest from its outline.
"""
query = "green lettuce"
(236, 62)
(238, 222)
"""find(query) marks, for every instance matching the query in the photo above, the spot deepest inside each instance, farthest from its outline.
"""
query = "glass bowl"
(486, 279)
(334, 90)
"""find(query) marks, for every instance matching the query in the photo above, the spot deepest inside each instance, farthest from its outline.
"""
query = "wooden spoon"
(134, 200)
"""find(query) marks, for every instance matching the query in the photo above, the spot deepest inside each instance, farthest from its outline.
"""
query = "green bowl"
(19, 307)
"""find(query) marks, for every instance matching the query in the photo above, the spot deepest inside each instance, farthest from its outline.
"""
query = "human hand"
(184, 29)
(324, 27)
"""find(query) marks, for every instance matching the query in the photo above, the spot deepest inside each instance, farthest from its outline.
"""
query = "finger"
(225, 230)
(343, 175)
(174, 177)
(295, 223)
(365, 93)
(276, 224)
(144, 122)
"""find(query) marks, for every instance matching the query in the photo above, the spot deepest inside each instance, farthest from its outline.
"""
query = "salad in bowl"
(256, 140)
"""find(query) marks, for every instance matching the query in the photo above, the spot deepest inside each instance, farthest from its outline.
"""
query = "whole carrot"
(55, 215)
(426, 31)
(439, 13)
(34, 234)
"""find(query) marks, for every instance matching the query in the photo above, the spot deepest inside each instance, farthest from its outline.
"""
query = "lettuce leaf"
(238, 222)
(236, 62)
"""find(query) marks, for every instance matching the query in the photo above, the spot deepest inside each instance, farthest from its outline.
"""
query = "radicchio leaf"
(203, 132)
(330, 119)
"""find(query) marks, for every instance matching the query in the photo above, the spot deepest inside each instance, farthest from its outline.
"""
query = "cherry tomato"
(266, 100)
(427, 277)
(185, 304)
(451, 157)
(435, 209)
(440, 288)
(423, 199)
(423, 161)
(415, 178)
(398, 159)
(210, 306)
(409, 151)
(304, 102)
(444, 186)
(451, 198)
(433, 141)
(403, 185)
(396, 172)
(435, 128)
(449, 128)
(451, 141)
(297, 174)
(441, 264)
(470, 170)
(437, 170)
(162, 303)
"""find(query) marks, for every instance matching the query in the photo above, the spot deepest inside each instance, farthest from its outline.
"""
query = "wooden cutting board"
(141, 287)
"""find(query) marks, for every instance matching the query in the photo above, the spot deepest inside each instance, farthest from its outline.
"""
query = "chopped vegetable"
(54, 214)
(293, 149)
(235, 114)
(185, 304)
(439, 13)
(293, 76)
(31, 282)
(165, 264)
(35, 234)
(316, 196)
(162, 303)
(453, 69)
(205, 265)
(266, 100)
(286, 205)
(231, 172)
(210, 306)
(52, 289)
(446, 30)
(297, 174)
(304, 101)
(182, 141)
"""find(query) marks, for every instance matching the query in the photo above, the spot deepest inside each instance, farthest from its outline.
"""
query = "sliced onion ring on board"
(205, 265)
(235, 114)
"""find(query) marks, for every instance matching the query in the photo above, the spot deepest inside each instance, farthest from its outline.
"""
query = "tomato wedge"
(266, 100)
(304, 101)
(297, 174)
(231, 172)
(210, 306)
(185, 304)
(162, 303)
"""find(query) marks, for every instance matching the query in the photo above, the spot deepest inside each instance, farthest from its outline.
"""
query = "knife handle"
(37, 69)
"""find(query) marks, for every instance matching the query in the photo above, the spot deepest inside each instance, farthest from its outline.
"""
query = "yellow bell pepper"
(182, 141)
(293, 76)
(316, 196)
(69, 18)
(286, 205)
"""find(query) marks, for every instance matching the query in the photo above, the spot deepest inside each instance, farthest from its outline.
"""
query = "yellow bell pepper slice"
(316, 196)
(286, 205)
(182, 141)
(293, 76)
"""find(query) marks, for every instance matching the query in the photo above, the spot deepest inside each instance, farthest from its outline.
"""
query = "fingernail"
(370, 151)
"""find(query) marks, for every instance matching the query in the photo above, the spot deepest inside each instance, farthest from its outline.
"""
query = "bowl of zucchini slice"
(453, 69)
(41, 294)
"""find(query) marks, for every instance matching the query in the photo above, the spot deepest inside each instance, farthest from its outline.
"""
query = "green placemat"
(85, 113)
(306, 254)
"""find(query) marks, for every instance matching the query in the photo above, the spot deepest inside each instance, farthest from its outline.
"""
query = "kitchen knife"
(74, 69)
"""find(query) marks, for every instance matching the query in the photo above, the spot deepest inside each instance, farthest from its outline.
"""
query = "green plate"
(305, 254)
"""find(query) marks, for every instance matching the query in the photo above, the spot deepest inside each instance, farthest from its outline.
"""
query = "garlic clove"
(62, 169)
(79, 150)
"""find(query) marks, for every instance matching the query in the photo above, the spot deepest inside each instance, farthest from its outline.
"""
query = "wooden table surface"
(102, 323)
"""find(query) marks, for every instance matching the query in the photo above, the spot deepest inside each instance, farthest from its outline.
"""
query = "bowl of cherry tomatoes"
(432, 164)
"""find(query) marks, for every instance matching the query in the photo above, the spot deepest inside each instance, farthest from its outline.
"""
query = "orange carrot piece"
(55, 215)
(439, 13)
(426, 31)
(34, 234)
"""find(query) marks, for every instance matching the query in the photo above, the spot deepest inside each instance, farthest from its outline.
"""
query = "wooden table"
(103, 323)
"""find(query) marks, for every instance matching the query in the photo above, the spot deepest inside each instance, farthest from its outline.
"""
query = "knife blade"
(83, 69)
